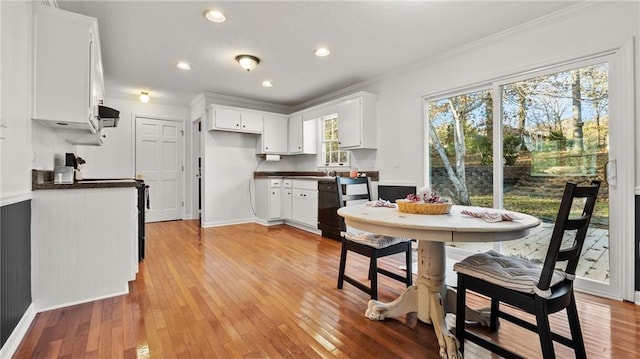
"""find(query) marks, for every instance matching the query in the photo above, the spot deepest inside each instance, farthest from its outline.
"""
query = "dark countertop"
(43, 180)
(316, 175)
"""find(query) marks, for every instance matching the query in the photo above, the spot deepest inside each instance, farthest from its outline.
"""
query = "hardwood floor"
(255, 292)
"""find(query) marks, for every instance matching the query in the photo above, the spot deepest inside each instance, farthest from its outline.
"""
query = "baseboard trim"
(82, 301)
(227, 223)
(637, 298)
(14, 340)
(303, 227)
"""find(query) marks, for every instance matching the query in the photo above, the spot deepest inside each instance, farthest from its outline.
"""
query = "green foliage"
(511, 147)
(483, 146)
(544, 208)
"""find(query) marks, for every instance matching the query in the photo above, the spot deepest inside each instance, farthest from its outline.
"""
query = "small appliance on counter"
(63, 175)
(76, 163)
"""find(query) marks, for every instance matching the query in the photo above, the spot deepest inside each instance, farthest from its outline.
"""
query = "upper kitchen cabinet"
(294, 138)
(274, 135)
(68, 82)
(302, 136)
(357, 122)
(233, 119)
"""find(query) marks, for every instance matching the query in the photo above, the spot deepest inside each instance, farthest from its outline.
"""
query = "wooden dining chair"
(536, 290)
(368, 244)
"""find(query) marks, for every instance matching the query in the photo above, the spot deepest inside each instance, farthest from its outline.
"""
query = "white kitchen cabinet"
(304, 202)
(357, 122)
(295, 135)
(268, 199)
(275, 203)
(235, 119)
(67, 72)
(287, 196)
(310, 136)
(274, 135)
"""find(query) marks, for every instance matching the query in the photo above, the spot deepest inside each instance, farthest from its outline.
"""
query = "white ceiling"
(143, 40)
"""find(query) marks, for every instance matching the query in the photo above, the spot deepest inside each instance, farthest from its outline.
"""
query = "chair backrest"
(568, 220)
(346, 197)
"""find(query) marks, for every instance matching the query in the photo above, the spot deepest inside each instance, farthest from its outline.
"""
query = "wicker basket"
(423, 207)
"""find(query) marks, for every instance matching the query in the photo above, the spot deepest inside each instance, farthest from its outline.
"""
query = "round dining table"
(429, 293)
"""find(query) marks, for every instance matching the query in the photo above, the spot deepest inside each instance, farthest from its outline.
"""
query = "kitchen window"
(332, 155)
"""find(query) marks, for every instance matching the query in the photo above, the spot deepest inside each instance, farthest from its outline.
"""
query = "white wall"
(591, 28)
(116, 157)
(15, 74)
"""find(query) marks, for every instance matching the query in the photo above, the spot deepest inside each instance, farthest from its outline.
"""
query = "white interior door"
(159, 163)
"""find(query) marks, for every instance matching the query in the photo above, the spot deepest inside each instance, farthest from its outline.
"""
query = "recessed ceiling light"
(183, 65)
(214, 16)
(322, 52)
(267, 83)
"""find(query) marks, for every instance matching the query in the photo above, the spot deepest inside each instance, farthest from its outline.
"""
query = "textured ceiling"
(143, 40)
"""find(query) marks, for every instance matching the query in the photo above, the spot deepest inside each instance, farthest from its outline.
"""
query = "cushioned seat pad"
(373, 240)
(508, 272)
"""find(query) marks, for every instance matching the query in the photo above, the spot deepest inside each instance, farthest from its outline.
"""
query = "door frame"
(181, 145)
(196, 152)
(621, 223)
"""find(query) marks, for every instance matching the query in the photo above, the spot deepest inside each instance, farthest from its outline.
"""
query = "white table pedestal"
(426, 298)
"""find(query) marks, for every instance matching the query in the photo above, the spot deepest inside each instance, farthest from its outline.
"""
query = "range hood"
(108, 117)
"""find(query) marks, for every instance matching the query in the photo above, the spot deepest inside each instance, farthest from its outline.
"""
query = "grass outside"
(544, 208)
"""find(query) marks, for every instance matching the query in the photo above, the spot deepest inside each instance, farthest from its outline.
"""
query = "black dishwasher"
(328, 220)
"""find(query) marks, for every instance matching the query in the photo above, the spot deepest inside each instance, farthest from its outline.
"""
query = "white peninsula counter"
(84, 242)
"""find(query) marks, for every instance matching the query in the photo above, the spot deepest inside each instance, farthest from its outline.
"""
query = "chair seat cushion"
(508, 272)
(373, 240)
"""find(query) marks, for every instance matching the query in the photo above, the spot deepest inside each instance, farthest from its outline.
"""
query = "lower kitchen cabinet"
(304, 202)
(84, 244)
(269, 199)
(287, 196)
(294, 201)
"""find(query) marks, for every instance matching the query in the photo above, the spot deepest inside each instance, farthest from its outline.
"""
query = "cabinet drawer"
(275, 182)
(305, 184)
(286, 183)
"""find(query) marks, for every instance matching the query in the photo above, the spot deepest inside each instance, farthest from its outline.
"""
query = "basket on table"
(423, 207)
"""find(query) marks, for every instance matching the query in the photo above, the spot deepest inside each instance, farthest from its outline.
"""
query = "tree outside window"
(331, 153)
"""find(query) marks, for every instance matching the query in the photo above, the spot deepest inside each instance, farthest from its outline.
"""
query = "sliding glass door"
(551, 126)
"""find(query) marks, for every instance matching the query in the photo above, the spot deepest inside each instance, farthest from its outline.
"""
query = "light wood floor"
(249, 291)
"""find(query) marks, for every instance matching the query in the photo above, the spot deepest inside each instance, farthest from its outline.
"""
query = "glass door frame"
(621, 284)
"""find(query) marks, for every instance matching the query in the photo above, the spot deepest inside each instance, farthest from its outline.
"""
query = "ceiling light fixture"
(248, 62)
(267, 83)
(322, 52)
(214, 16)
(144, 97)
(183, 65)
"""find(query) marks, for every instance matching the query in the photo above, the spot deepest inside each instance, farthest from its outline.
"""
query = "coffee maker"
(76, 162)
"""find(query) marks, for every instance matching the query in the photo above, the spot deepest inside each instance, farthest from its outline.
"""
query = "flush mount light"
(248, 62)
(267, 83)
(214, 16)
(144, 97)
(183, 65)
(322, 52)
